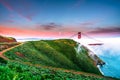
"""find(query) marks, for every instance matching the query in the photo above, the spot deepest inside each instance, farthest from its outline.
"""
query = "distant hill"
(7, 39)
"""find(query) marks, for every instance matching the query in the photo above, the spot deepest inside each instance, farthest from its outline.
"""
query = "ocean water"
(110, 54)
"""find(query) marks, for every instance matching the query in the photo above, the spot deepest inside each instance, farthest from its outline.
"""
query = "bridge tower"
(79, 35)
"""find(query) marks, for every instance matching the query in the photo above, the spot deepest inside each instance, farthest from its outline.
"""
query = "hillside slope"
(7, 39)
(56, 53)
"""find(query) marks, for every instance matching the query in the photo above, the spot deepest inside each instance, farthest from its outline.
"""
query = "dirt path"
(2, 52)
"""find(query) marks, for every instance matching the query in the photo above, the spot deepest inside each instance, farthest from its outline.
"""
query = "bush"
(2, 61)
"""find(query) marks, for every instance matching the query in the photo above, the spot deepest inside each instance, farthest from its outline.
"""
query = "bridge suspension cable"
(83, 34)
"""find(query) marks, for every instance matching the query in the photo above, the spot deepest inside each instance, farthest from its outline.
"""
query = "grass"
(18, 71)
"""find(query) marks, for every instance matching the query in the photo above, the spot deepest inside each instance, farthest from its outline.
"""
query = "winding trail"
(2, 52)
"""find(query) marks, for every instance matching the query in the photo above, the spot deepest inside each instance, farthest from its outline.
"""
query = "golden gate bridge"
(80, 34)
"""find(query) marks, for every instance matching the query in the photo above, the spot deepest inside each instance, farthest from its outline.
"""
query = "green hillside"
(49, 60)
(56, 53)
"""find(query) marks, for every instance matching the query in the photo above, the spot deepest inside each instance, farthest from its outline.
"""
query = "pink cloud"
(106, 31)
(22, 16)
(11, 16)
(20, 32)
(48, 27)
(88, 23)
(8, 6)
(10, 21)
(82, 27)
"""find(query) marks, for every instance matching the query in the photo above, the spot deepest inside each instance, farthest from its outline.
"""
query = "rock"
(100, 62)
(96, 59)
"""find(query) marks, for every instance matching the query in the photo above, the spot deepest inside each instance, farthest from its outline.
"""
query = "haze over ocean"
(110, 53)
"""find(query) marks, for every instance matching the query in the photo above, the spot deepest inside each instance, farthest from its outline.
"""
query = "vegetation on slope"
(56, 53)
(12, 70)
(6, 45)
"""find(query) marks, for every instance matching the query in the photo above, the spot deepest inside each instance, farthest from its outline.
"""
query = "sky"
(60, 18)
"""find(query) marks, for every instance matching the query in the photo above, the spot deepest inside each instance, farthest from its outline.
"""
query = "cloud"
(78, 3)
(10, 21)
(28, 18)
(8, 6)
(107, 30)
(87, 23)
(112, 30)
(19, 11)
(48, 27)
(81, 27)
(110, 44)
(11, 16)
(21, 32)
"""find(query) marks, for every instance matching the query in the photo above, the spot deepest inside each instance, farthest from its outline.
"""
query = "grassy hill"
(56, 53)
(27, 60)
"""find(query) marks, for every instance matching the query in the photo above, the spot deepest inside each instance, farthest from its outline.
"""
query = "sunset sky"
(59, 18)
